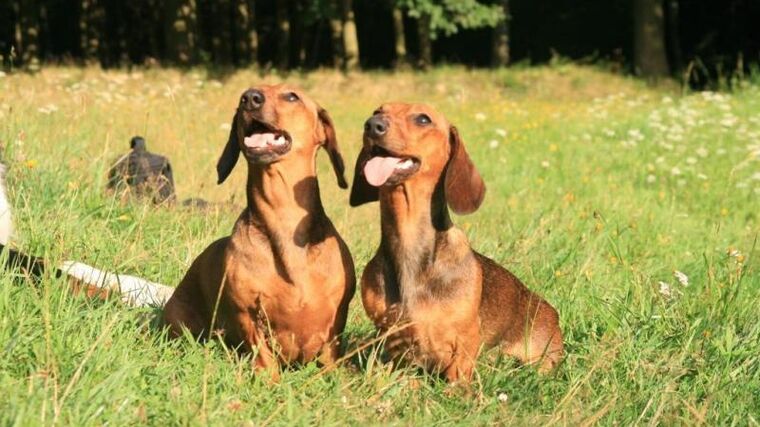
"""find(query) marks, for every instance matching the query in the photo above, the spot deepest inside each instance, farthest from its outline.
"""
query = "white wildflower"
(682, 278)
(756, 176)
(635, 134)
(493, 143)
(503, 398)
(480, 117)
(702, 176)
(651, 179)
(628, 143)
(501, 132)
(665, 290)
(675, 171)
(545, 164)
(702, 152)
(729, 120)
(225, 126)
(691, 160)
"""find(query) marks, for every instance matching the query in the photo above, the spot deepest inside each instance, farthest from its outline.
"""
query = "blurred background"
(703, 43)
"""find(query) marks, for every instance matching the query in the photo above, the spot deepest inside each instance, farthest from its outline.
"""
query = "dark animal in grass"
(142, 174)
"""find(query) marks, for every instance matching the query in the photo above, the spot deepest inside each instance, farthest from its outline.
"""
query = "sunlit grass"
(600, 189)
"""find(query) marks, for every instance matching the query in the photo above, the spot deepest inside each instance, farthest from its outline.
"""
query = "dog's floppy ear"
(464, 186)
(331, 145)
(230, 154)
(361, 191)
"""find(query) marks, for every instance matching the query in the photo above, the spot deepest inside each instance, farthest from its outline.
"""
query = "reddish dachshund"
(453, 299)
(281, 283)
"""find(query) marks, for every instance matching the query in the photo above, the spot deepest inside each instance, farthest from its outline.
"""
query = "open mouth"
(385, 167)
(265, 142)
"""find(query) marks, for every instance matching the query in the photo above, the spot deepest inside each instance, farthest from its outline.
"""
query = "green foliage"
(319, 10)
(447, 17)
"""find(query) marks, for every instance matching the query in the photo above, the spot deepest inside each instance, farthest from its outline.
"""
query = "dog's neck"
(415, 222)
(283, 197)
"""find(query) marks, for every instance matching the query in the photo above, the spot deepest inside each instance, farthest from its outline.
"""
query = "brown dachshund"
(452, 299)
(280, 285)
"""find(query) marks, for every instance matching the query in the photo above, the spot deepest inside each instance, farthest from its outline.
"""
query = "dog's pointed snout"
(253, 98)
(376, 126)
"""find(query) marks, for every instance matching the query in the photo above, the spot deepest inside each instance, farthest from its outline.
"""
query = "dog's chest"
(293, 294)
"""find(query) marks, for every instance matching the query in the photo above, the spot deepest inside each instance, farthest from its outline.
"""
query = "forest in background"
(701, 41)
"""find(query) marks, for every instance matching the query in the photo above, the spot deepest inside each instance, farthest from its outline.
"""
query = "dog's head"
(415, 143)
(273, 122)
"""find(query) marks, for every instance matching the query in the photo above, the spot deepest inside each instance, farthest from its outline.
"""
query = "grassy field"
(633, 210)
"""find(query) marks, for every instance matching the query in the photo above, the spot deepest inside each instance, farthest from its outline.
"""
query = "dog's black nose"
(375, 126)
(253, 98)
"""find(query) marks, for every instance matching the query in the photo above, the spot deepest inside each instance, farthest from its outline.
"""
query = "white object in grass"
(132, 290)
(6, 221)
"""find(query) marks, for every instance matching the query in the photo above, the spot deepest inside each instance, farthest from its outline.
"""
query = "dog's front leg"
(255, 342)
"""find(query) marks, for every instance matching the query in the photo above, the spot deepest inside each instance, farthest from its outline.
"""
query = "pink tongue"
(379, 169)
(259, 140)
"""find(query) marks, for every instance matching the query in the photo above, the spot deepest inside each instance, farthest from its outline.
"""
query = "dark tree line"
(648, 37)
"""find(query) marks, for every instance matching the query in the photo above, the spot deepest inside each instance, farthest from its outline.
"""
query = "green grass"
(599, 188)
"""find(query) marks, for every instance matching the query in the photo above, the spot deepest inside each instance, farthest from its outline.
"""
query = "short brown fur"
(453, 300)
(282, 282)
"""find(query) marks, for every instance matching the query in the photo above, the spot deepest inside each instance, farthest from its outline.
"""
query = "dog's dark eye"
(423, 120)
(291, 97)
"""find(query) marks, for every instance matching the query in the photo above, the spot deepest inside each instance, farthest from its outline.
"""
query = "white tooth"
(280, 140)
(406, 164)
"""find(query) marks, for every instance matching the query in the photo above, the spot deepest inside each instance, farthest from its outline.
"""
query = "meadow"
(632, 209)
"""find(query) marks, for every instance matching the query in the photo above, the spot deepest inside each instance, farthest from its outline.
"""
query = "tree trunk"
(44, 39)
(650, 57)
(221, 37)
(401, 59)
(350, 39)
(500, 52)
(112, 44)
(180, 31)
(91, 14)
(425, 59)
(28, 33)
(252, 37)
(336, 33)
(243, 31)
(301, 35)
(674, 34)
(283, 35)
